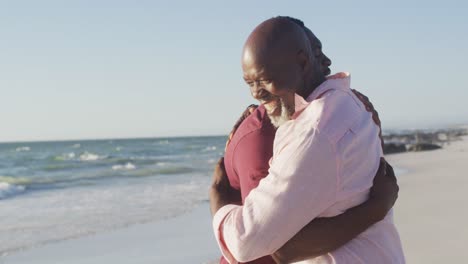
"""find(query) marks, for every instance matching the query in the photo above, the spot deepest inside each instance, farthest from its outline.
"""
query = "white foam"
(128, 166)
(7, 189)
(163, 142)
(87, 156)
(69, 213)
(23, 149)
(211, 148)
(66, 156)
(76, 146)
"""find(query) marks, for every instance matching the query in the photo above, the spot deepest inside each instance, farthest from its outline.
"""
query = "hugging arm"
(324, 235)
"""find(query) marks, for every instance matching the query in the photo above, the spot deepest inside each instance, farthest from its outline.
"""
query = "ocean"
(52, 191)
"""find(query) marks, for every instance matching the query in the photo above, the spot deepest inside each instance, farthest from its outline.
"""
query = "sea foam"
(128, 166)
(65, 156)
(7, 189)
(210, 148)
(87, 156)
(23, 149)
(75, 212)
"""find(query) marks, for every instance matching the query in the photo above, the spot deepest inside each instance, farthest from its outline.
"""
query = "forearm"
(220, 197)
(217, 199)
(324, 235)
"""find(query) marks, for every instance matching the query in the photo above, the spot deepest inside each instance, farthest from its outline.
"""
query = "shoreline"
(430, 216)
(175, 240)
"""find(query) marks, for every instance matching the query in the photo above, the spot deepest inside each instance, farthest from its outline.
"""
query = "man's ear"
(303, 60)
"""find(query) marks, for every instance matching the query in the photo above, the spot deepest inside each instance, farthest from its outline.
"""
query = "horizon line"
(388, 130)
(109, 138)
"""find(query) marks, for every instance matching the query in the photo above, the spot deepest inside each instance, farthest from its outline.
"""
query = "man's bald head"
(276, 39)
(277, 63)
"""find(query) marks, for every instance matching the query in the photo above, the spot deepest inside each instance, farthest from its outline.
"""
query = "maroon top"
(247, 158)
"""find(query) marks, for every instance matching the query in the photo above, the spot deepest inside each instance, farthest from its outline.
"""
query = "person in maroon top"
(246, 162)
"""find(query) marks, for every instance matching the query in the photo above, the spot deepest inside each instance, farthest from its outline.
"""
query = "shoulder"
(252, 143)
(255, 125)
(335, 113)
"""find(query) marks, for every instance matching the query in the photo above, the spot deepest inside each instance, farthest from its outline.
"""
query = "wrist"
(218, 199)
(376, 209)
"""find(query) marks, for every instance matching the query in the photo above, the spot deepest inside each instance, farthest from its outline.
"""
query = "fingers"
(252, 108)
(365, 100)
(361, 96)
(370, 108)
(380, 174)
(382, 166)
(375, 117)
(390, 172)
(221, 162)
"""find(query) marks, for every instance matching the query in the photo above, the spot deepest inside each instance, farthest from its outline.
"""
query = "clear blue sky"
(100, 69)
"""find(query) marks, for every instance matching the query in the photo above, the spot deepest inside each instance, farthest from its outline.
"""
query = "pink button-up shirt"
(324, 162)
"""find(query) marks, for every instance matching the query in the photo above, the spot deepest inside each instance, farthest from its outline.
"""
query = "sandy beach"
(431, 215)
(432, 212)
(185, 239)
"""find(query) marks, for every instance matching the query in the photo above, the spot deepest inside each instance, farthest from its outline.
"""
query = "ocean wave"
(127, 166)
(54, 180)
(76, 146)
(33, 182)
(7, 189)
(174, 170)
(82, 212)
(23, 149)
(88, 156)
(16, 180)
(59, 167)
(149, 172)
(210, 148)
(65, 156)
(84, 156)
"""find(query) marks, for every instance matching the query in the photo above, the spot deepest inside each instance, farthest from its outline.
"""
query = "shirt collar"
(341, 80)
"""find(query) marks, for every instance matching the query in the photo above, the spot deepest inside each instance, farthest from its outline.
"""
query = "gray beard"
(284, 117)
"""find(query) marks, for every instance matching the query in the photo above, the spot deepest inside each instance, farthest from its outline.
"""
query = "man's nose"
(255, 90)
(326, 61)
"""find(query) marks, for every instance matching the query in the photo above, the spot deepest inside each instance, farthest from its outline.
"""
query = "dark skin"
(278, 66)
(321, 235)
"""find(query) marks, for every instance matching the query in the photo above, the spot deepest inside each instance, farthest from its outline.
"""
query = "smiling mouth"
(271, 107)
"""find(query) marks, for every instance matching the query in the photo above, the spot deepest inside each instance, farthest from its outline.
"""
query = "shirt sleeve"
(301, 184)
(251, 159)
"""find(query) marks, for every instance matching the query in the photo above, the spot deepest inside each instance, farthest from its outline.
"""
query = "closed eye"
(249, 83)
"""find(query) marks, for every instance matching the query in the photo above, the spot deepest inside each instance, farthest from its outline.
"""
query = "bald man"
(248, 151)
(325, 155)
